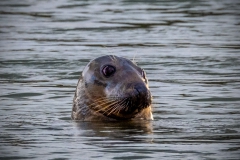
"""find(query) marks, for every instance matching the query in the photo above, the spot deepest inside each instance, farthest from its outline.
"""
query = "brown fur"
(123, 96)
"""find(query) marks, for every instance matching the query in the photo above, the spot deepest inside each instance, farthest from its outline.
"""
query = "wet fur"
(87, 108)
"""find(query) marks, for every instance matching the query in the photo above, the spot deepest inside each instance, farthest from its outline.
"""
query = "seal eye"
(108, 70)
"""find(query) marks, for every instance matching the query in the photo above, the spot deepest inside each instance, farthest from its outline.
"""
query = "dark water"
(189, 49)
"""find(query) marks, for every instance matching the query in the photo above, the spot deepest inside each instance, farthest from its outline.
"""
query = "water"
(189, 49)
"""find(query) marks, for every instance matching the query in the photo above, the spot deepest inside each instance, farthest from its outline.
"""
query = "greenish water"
(189, 49)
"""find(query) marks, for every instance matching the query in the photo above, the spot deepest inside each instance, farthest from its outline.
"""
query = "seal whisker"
(100, 100)
(107, 107)
(118, 105)
(97, 104)
(112, 106)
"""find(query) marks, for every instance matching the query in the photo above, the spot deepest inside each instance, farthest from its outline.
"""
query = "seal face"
(112, 88)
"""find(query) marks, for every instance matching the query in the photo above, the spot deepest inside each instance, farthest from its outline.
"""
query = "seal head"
(112, 88)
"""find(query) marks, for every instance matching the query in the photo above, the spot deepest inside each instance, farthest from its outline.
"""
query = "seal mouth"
(123, 107)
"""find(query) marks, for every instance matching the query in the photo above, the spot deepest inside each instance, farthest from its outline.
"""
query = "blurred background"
(189, 49)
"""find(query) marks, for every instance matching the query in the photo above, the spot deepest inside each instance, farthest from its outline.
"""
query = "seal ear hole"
(108, 70)
(143, 74)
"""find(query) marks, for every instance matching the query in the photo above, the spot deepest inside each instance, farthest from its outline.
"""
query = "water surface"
(189, 49)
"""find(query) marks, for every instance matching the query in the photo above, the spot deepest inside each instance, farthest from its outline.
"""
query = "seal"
(112, 88)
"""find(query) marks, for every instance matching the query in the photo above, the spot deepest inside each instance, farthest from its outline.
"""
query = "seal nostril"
(137, 91)
(142, 94)
(141, 89)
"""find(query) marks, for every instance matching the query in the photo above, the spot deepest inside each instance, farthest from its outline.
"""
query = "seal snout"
(143, 95)
(141, 90)
(139, 98)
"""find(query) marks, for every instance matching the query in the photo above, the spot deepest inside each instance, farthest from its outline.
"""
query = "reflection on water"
(189, 49)
(123, 132)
